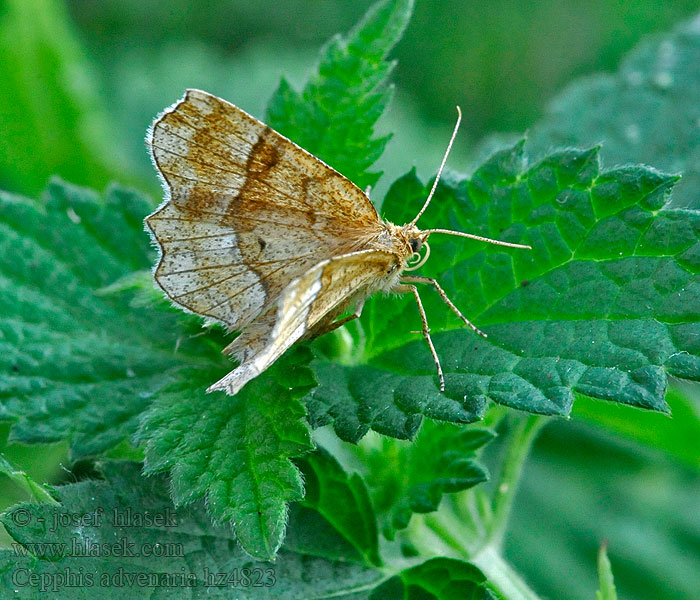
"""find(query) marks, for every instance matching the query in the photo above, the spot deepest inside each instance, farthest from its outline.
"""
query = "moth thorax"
(393, 239)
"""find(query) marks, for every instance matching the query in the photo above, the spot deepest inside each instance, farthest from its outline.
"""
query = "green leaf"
(343, 501)
(646, 112)
(86, 366)
(234, 451)
(183, 544)
(606, 303)
(201, 558)
(50, 118)
(413, 477)
(607, 582)
(35, 490)
(334, 116)
(677, 435)
(77, 366)
(436, 474)
(436, 579)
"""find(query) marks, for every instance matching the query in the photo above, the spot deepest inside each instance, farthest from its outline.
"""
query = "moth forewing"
(245, 212)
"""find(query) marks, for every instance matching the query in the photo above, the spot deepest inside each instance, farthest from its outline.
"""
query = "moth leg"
(328, 326)
(426, 330)
(355, 315)
(445, 299)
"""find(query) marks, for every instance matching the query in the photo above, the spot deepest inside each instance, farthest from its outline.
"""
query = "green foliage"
(204, 556)
(89, 367)
(604, 307)
(645, 112)
(46, 81)
(436, 579)
(192, 546)
(76, 365)
(583, 485)
(334, 116)
(409, 478)
(326, 483)
(440, 462)
(504, 60)
(234, 451)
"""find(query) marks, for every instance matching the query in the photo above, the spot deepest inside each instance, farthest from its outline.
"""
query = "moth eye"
(416, 244)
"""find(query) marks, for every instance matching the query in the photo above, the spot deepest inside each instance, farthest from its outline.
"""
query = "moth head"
(414, 237)
(417, 240)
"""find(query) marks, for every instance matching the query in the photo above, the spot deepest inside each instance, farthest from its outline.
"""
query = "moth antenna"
(471, 236)
(442, 166)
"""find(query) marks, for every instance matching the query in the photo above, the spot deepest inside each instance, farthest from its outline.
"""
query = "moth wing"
(303, 303)
(246, 210)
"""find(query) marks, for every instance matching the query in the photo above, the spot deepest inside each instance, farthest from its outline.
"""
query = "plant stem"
(439, 534)
(518, 449)
(501, 575)
(449, 533)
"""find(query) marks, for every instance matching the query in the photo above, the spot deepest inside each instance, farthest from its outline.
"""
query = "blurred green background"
(83, 79)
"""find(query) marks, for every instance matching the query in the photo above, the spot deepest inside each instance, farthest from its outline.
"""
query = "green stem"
(501, 575)
(449, 533)
(437, 534)
(518, 449)
(448, 530)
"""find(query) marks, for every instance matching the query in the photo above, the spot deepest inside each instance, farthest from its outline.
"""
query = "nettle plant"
(606, 305)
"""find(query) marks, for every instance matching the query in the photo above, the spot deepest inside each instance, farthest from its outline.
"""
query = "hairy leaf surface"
(206, 557)
(183, 554)
(87, 359)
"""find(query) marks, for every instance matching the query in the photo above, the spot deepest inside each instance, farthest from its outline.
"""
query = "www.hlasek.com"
(89, 548)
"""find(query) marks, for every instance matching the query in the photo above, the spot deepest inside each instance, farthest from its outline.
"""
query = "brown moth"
(262, 236)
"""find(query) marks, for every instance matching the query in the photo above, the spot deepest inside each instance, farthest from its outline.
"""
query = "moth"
(258, 234)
